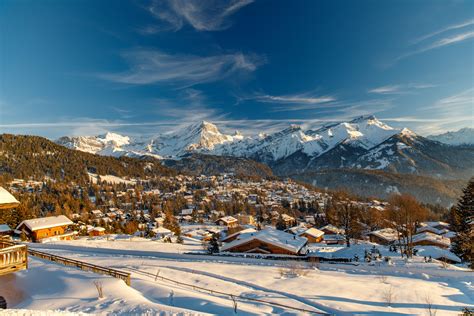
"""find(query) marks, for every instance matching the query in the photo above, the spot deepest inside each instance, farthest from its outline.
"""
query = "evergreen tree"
(213, 246)
(462, 220)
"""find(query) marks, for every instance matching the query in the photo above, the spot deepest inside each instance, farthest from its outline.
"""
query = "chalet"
(97, 231)
(13, 257)
(228, 221)
(7, 200)
(430, 239)
(334, 239)
(385, 236)
(47, 227)
(267, 241)
(313, 235)
(5, 230)
(332, 230)
(245, 219)
(234, 236)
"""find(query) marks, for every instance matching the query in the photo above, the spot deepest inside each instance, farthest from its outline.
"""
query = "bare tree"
(429, 305)
(405, 213)
(389, 295)
(348, 216)
(99, 287)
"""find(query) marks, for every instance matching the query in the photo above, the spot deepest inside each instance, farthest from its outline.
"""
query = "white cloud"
(445, 41)
(150, 66)
(446, 29)
(202, 15)
(400, 88)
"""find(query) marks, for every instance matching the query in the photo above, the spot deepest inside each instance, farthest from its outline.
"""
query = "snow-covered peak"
(115, 138)
(464, 136)
(408, 133)
(363, 132)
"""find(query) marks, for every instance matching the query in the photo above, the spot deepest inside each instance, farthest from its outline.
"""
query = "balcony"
(13, 257)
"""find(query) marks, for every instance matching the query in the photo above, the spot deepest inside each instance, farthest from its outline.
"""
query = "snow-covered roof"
(272, 236)
(388, 234)
(313, 232)
(99, 229)
(161, 230)
(7, 200)
(46, 222)
(228, 219)
(4, 228)
(333, 228)
(436, 253)
(433, 238)
(241, 232)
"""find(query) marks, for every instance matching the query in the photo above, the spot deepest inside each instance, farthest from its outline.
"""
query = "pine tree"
(462, 221)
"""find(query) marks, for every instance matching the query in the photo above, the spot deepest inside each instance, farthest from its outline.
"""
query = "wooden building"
(313, 235)
(13, 257)
(228, 221)
(267, 241)
(97, 231)
(39, 229)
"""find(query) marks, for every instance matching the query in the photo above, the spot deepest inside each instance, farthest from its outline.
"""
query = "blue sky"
(143, 67)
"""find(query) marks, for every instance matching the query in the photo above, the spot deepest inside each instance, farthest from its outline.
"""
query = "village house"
(385, 236)
(430, 239)
(228, 221)
(267, 241)
(5, 230)
(313, 235)
(97, 231)
(39, 229)
(245, 219)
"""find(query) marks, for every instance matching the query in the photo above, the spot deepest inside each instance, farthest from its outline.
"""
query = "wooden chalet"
(228, 221)
(13, 257)
(39, 229)
(267, 241)
(385, 236)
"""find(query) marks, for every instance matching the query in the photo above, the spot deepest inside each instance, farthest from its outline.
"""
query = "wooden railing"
(13, 257)
(125, 276)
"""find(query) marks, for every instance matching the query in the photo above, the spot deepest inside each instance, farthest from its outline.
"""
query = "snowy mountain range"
(363, 143)
(464, 136)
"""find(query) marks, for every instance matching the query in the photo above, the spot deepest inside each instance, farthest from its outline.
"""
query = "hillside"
(37, 157)
(374, 183)
(197, 164)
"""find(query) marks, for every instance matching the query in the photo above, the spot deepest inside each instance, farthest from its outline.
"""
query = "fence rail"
(125, 276)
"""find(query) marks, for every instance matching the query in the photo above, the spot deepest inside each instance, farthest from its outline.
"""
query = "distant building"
(228, 221)
(385, 236)
(97, 231)
(47, 227)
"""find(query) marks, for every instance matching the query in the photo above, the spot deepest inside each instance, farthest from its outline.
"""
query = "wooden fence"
(125, 276)
(13, 257)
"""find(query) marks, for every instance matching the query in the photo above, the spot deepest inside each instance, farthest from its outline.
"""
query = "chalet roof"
(45, 222)
(241, 232)
(333, 229)
(313, 232)
(433, 238)
(228, 219)
(388, 234)
(4, 228)
(271, 236)
(7, 200)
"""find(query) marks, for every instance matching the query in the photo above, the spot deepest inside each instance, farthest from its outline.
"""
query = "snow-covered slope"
(464, 136)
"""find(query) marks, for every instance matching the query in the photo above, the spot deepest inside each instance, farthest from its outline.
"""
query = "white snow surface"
(340, 289)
